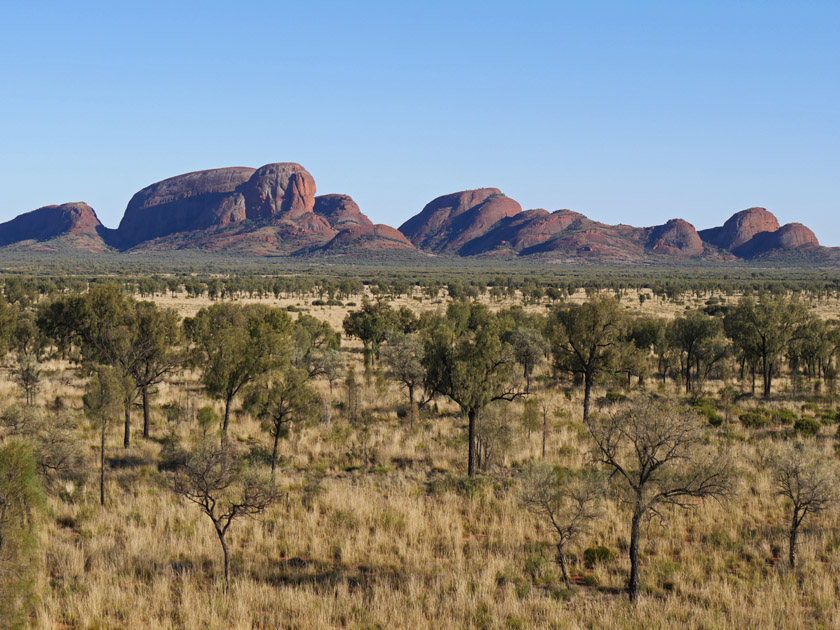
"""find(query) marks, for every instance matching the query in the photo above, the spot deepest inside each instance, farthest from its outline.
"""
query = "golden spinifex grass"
(380, 528)
(393, 536)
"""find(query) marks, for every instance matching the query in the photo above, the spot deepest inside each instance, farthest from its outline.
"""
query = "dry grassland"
(380, 531)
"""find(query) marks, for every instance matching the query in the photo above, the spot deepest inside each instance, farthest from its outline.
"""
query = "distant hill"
(274, 211)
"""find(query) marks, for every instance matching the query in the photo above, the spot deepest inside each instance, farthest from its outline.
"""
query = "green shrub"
(784, 416)
(615, 397)
(808, 426)
(707, 409)
(598, 555)
(753, 419)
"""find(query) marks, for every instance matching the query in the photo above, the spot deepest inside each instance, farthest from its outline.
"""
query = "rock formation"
(740, 228)
(677, 237)
(340, 211)
(449, 222)
(77, 221)
(273, 211)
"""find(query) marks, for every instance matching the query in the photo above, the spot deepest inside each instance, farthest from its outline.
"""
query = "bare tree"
(59, 455)
(568, 503)
(657, 456)
(223, 487)
(807, 479)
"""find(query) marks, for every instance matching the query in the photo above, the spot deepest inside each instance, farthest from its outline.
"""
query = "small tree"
(221, 485)
(28, 375)
(467, 360)
(157, 333)
(59, 454)
(657, 456)
(403, 355)
(568, 503)
(586, 340)
(236, 344)
(103, 399)
(280, 398)
(529, 349)
(332, 364)
(808, 480)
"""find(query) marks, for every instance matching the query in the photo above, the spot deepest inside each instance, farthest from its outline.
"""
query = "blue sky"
(631, 112)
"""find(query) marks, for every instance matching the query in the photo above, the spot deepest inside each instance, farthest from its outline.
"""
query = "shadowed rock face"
(676, 237)
(340, 211)
(194, 201)
(451, 221)
(788, 237)
(43, 224)
(740, 228)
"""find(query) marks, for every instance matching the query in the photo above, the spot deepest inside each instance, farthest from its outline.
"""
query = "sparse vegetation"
(372, 521)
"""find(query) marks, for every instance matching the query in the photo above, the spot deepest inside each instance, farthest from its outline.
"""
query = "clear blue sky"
(626, 111)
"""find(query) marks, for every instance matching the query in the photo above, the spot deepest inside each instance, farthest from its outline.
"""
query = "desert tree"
(529, 348)
(222, 485)
(371, 324)
(314, 342)
(27, 374)
(765, 330)
(59, 455)
(698, 340)
(108, 328)
(467, 360)
(657, 456)
(156, 344)
(332, 365)
(567, 502)
(279, 398)
(808, 480)
(234, 345)
(403, 357)
(104, 395)
(586, 339)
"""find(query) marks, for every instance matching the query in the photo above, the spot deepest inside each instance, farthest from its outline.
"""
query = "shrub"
(807, 426)
(753, 420)
(784, 416)
(598, 555)
(707, 409)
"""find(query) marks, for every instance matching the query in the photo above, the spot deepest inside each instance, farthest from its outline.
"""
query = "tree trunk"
(127, 437)
(472, 414)
(411, 409)
(768, 379)
(792, 539)
(226, 420)
(633, 583)
(561, 559)
(587, 394)
(102, 466)
(544, 432)
(274, 452)
(226, 552)
(145, 392)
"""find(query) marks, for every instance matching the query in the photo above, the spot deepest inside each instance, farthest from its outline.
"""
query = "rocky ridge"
(274, 210)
